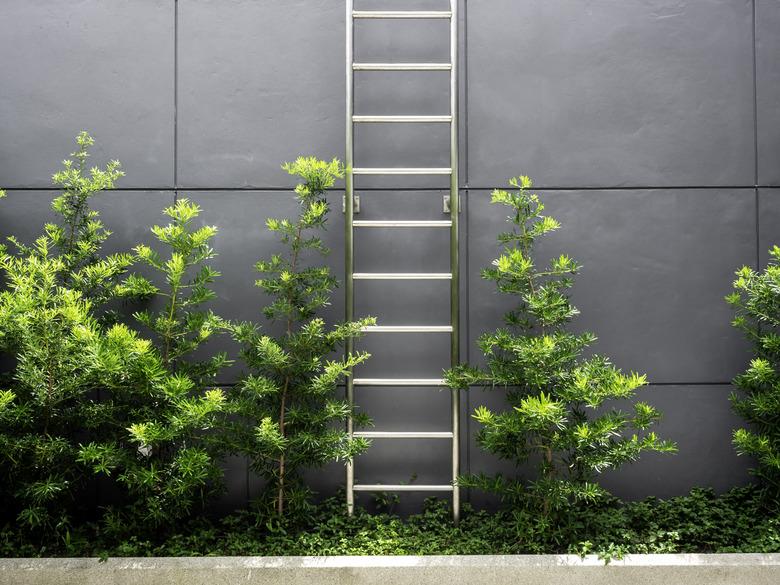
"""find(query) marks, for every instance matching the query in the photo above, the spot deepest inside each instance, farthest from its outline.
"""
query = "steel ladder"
(452, 224)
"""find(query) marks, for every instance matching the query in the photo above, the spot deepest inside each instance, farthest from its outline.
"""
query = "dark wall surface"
(651, 128)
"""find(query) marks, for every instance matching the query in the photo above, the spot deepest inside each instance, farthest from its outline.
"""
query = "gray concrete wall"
(652, 130)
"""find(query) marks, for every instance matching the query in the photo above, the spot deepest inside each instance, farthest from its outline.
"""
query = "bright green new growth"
(79, 234)
(82, 234)
(169, 461)
(557, 419)
(756, 301)
(63, 355)
(289, 399)
(182, 326)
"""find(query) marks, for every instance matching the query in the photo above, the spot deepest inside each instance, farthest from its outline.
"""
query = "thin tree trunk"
(280, 494)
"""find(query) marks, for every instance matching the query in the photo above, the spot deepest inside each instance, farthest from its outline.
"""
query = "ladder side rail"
(454, 257)
(349, 309)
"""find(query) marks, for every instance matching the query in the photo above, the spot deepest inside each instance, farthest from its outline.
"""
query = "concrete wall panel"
(611, 92)
(104, 67)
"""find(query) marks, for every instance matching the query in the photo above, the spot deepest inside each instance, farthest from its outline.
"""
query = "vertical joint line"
(755, 96)
(465, 94)
(175, 100)
(757, 195)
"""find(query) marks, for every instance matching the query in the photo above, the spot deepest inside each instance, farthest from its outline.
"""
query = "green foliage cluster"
(699, 522)
(559, 417)
(289, 399)
(63, 358)
(168, 461)
(62, 355)
(78, 235)
(182, 325)
(90, 401)
(756, 301)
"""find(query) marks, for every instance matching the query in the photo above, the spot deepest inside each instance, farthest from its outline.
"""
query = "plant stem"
(280, 497)
(169, 326)
(293, 264)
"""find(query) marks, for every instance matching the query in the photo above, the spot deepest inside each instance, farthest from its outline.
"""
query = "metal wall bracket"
(445, 204)
(355, 204)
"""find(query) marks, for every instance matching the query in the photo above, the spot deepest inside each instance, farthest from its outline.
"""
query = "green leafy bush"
(51, 333)
(169, 460)
(557, 396)
(61, 356)
(756, 301)
(291, 416)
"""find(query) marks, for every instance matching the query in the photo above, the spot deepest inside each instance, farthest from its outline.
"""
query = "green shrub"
(61, 356)
(756, 301)
(291, 416)
(558, 398)
(168, 459)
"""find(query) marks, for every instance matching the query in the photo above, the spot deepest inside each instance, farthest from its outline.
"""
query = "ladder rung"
(403, 435)
(387, 487)
(401, 14)
(398, 382)
(402, 276)
(402, 119)
(401, 223)
(407, 329)
(402, 171)
(402, 66)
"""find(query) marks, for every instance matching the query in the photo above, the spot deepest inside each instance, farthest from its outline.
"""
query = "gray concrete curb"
(728, 569)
